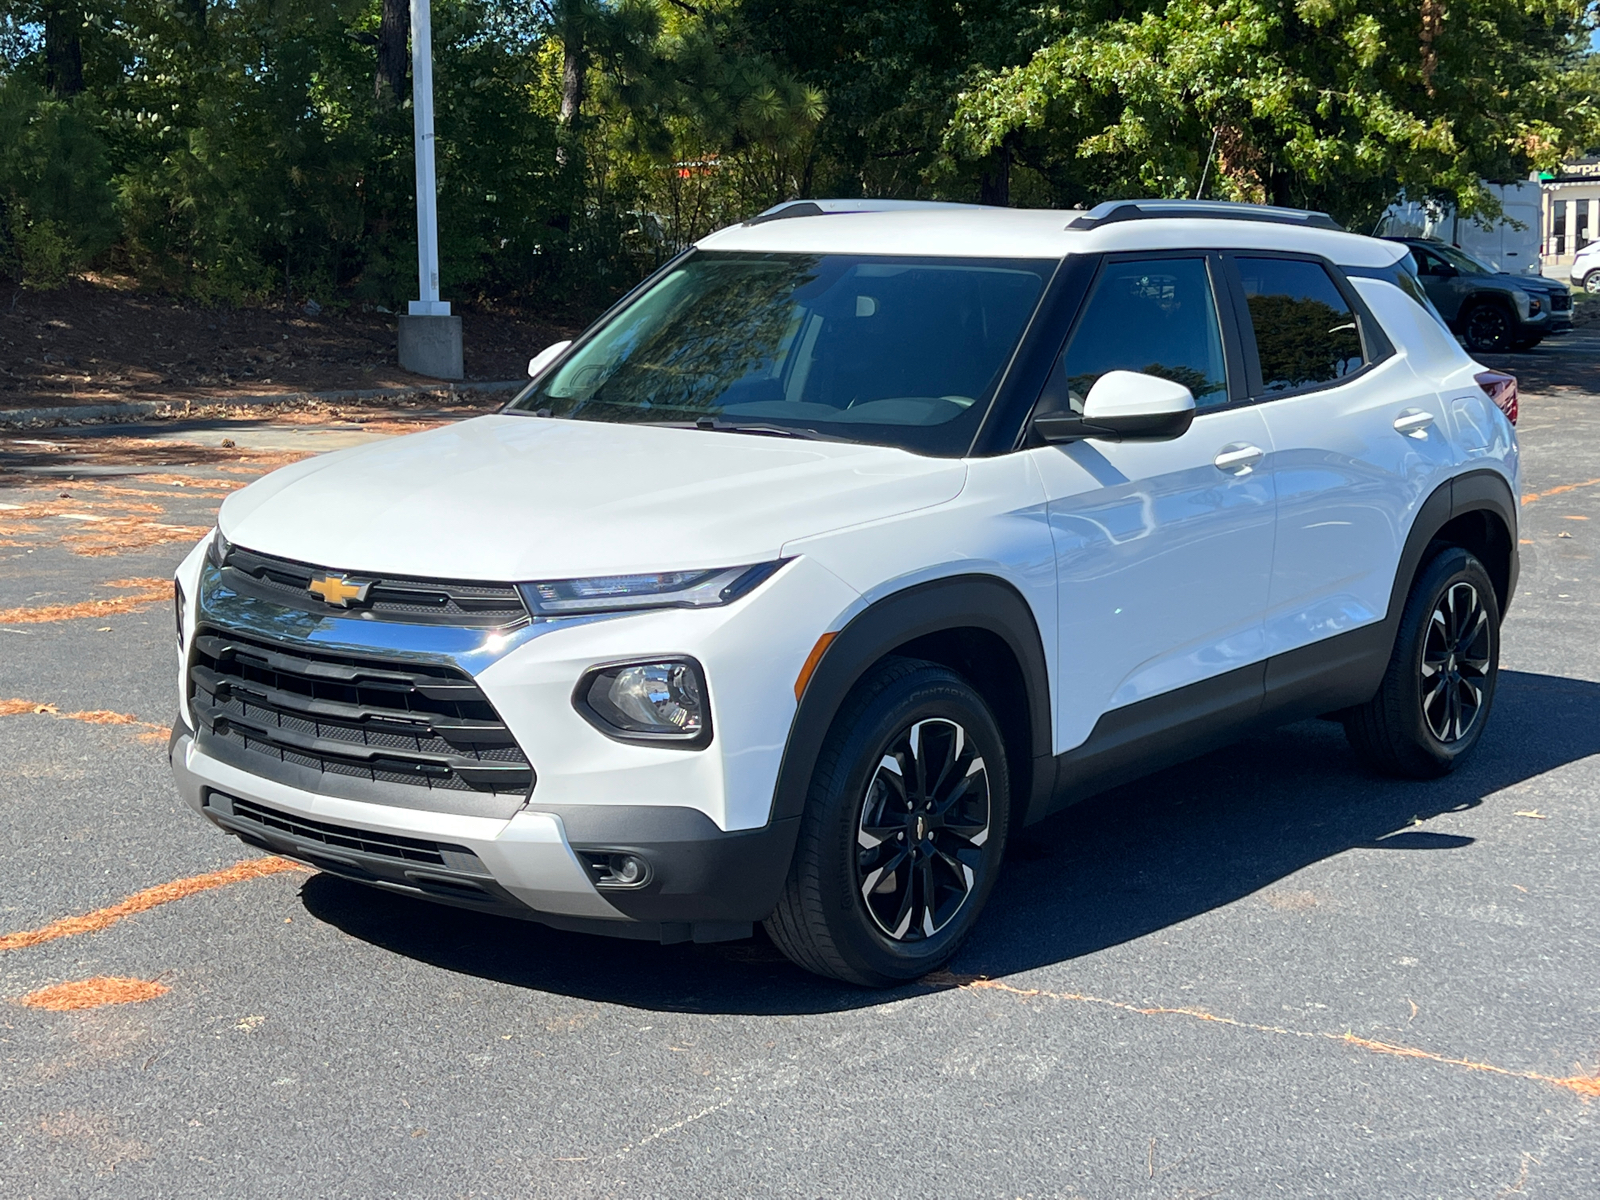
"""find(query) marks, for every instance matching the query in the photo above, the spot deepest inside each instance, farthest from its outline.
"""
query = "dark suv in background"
(1492, 311)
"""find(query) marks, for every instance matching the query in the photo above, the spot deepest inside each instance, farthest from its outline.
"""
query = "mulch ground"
(92, 343)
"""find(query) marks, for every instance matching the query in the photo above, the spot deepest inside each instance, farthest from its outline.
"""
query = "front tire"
(1488, 329)
(1435, 698)
(1591, 283)
(904, 829)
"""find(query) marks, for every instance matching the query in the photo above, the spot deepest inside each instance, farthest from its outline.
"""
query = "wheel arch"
(1475, 510)
(977, 625)
(1483, 519)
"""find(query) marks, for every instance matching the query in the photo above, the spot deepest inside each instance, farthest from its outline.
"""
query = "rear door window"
(1306, 333)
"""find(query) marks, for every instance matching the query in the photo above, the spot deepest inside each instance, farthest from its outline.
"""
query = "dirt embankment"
(90, 343)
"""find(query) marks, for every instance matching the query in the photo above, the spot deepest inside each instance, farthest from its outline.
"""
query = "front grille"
(355, 715)
(390, 598)
(1560, 302)
(388, 845)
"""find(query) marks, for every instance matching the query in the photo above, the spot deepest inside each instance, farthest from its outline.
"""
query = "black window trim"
(1005, 426)
(1376, 348)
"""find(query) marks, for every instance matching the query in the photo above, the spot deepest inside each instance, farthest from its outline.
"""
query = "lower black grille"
(388, 845)
(1560, 302)
(372, 718)
(383, 597)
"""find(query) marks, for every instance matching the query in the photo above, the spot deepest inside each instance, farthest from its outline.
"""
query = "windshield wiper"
(760, 428)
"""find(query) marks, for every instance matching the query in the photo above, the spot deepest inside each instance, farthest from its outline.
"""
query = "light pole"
(430, 338)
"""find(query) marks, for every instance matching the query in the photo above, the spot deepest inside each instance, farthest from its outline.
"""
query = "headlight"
(218, 549)
(177, 607)
(624, 593)
(1535, 306)
(656, 701)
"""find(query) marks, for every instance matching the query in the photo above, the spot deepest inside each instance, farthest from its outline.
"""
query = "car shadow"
(1118, 867)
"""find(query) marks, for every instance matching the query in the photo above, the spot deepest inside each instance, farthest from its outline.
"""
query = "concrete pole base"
(431, 346)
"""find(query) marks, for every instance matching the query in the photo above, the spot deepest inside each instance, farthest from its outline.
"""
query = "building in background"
(1571, 200)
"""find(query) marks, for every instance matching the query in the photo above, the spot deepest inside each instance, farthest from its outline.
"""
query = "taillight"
(1502, 389)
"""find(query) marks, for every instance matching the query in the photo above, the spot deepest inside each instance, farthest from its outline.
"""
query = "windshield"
(1462, 261)
(897, 351)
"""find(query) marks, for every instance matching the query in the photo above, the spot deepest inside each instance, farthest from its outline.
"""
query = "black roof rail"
(805, 208)
(1210, 210)
(822, 208)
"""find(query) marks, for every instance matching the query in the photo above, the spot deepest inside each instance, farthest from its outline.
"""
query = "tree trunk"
(1281, 195)
(994, 181)
(394, 29)
(63, 48)
(569, 145)
(574, 66)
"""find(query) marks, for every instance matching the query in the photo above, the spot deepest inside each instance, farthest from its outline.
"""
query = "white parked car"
(1585, 271)
(849, 542)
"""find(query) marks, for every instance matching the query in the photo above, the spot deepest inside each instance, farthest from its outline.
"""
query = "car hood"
(519, 498)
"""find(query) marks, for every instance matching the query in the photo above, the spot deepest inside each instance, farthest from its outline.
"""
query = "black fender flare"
(982, 602)
(1473, 491)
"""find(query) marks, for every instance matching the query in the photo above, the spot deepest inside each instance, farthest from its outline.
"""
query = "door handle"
(1413, 423)
(1238, 458)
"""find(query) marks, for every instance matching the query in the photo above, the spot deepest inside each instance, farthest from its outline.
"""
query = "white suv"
(1585, 271)
(853, 539)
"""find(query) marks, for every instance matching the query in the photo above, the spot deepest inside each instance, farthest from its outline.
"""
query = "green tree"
(56, 211)
(891, 72)
(1332, 104)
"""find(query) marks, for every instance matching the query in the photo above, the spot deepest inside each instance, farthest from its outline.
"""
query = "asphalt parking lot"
(1264, 973)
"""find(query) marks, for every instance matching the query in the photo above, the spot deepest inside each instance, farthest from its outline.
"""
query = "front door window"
(1157, 316)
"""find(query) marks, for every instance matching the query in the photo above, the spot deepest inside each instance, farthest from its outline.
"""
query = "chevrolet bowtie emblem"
(336, 589)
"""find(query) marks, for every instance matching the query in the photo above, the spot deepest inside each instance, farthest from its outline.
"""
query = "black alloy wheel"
(923, 825)
(903, 831)
(1457, 653)
(1434, 701)
(1488, 328)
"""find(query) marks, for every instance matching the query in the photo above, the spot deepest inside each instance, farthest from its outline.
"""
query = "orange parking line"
(1587, 1086)
(92, 993)
(164, 893)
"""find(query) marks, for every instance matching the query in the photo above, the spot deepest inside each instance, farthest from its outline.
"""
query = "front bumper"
(704, 884)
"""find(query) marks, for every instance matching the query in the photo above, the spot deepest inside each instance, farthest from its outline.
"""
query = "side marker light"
(812, 660)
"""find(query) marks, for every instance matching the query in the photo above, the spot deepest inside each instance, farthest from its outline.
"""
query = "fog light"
(661, 701)
(628, 870)
(616, 869)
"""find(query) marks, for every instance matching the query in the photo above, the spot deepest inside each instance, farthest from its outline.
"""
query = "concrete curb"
(132, 410)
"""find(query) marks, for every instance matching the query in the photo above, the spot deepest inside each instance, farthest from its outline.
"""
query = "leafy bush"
(55, 199)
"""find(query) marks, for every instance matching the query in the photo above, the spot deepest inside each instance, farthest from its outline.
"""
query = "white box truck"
(1511, 244)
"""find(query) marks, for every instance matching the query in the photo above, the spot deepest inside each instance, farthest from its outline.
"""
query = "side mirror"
(545, 357)
(1125, 406)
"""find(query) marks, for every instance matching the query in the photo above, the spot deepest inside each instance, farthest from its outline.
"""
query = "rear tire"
(1488, 328)
(1591, 283)
(903, 832)
(1437, 692)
